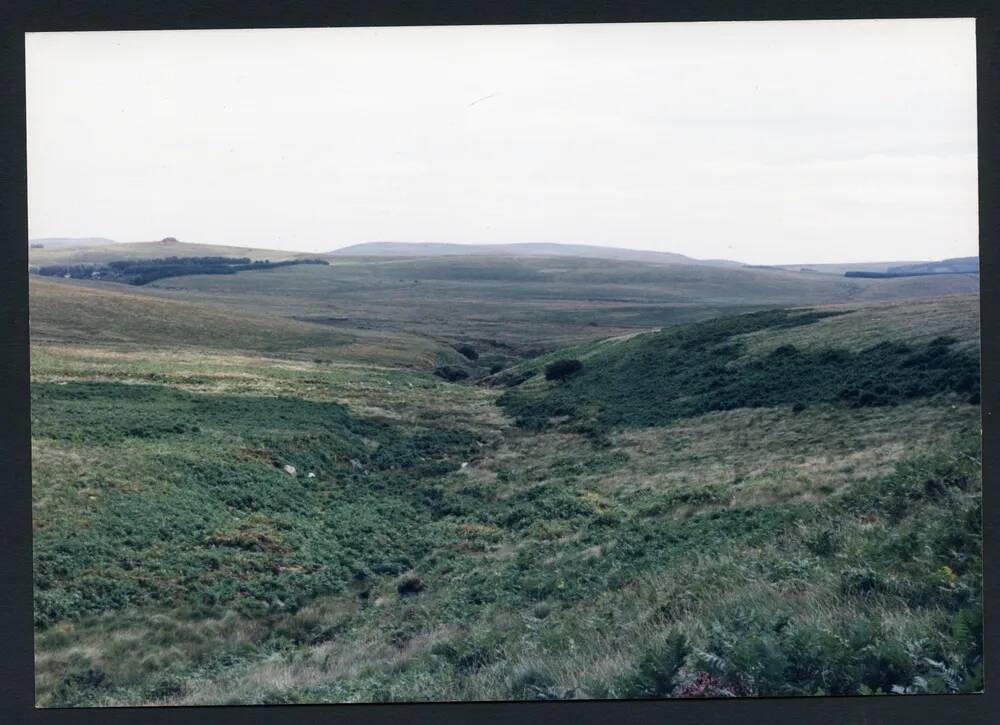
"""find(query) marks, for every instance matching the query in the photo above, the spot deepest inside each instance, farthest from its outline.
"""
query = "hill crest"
(522, 249)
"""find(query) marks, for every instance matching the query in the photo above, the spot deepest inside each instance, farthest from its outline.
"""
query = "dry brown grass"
(759, 455)
(71, 312)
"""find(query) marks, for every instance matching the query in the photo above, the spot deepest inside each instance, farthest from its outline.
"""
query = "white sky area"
(769, 142)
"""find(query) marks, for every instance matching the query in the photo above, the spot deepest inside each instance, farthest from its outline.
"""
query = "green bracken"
(670, 528)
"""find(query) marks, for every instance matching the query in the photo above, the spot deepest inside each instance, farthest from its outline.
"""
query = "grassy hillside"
(657, 378)
(65, 242)
(508, 307)
(524, 249)
(441, 552)
(64, 312)
(839, 269)
(530, 304)
(102, 253)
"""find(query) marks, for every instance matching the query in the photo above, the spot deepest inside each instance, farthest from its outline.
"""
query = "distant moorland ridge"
(525, 249)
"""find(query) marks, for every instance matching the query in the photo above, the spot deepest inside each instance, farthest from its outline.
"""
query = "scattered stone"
(310, 475)
(356, 463)
(290, 470)
(465, 465)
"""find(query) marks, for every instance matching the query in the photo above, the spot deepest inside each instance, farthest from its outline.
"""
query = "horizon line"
(496, 244)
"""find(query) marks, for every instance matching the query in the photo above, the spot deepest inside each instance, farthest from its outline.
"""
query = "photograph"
(502, 363)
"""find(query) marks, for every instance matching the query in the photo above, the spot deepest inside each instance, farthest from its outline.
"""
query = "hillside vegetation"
(116, 319)
(517, 307)
(656, 378)
(666, 521)
(144, 271)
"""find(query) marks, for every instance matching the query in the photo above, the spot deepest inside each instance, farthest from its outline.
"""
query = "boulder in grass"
(290, 470)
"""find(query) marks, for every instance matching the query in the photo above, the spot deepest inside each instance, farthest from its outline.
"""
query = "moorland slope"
(427, 547)
(517, 306)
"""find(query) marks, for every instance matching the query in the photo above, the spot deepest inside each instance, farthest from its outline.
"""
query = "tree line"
(144, 271)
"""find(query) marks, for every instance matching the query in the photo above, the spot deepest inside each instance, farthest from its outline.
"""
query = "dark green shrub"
(823, 542)
(409, 586)
(818, 662)
(861, 581)
(758, 664)
(467, 351)
(562, 369)
(450, 373)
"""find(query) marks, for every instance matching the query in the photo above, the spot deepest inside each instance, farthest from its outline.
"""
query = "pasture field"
(256, 490)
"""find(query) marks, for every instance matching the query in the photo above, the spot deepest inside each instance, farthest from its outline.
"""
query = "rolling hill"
(508, 307)
(658, 378)
(71, 313)
(68, 242)
(524, 249)
(958, 265)
(530, 302)
(102, 253)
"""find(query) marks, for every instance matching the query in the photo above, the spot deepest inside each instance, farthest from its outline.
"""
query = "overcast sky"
(762, 142)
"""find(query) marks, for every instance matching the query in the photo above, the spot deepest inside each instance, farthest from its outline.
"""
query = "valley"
(253, 488)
